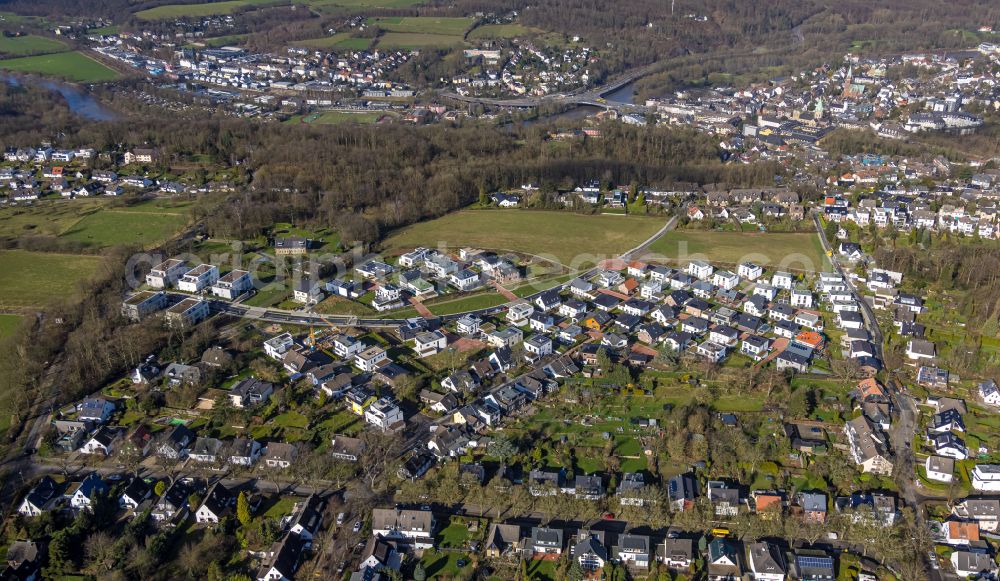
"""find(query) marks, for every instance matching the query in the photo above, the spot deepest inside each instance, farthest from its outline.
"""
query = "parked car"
(340, 518)
(357, 527)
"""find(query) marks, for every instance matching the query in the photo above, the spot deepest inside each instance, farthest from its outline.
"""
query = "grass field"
(29, 44)
(362, 3)
(423, 24)
(114, 227)
(327, 41)
(32, 279)
(338, 117)
(472, 302)
(8, 325)
(793, 250)
(169, 11)
(560, 234)
(98, 222)
(502, 31)
(418, 40)
(231, 39)
(73, 66)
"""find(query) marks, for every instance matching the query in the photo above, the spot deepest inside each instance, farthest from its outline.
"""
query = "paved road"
(871, 323)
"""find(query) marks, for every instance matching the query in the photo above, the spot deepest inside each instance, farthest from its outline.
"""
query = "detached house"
(217, 504)
(408, 527)
(250, 392)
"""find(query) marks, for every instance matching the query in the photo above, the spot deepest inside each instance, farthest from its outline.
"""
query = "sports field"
(29, 44)
(73, 66)
(502, 31)
(793, 250)
(423, 24)
(113, 227)
(169, 11)
(33, 279)
(563, 235)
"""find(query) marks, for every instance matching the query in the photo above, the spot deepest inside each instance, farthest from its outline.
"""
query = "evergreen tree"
(243, 509)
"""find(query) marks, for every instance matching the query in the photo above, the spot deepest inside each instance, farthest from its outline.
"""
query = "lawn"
(122, 227)
(418, 40)
(170, 11)
(542, 570)
(29, 44)
(32, 279)
(800, 251)
(442, 565)
(423, 24)
(573, 239)
(9, 325)
(73, 66)
(454, 536)
(503, 31)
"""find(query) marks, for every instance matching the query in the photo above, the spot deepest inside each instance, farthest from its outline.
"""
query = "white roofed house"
(167, 273)
(276, 346)
(429, 343)
(700, 269)
(750, 271)
(801, 298)
(939, 468)
(725, 279)
(369, 359)
(232, 284)
(198, 278)
(385, 414)
(464, 279)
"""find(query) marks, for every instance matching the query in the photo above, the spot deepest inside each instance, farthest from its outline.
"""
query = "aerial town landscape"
(378, 290)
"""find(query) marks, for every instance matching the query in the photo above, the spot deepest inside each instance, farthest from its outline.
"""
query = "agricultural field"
(170, 11)
(44, 220)
(418, 40)
(36, 278)
(423, 24)
(9, 325)
(561, 234)
(503, 31)
(28, 45)
(793, 250)
(72, 66)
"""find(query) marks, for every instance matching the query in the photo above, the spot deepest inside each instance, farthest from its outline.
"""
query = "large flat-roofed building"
(232, 284)
(142, 304)
(167, 273)
(187, 312)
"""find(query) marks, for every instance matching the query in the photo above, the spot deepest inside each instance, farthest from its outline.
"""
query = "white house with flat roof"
(198, 278)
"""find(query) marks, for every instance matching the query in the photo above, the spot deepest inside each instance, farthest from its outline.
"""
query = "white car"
(357, 527)
(340, 518)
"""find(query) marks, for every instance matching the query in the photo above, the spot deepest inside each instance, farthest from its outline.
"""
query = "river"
(78, 100)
